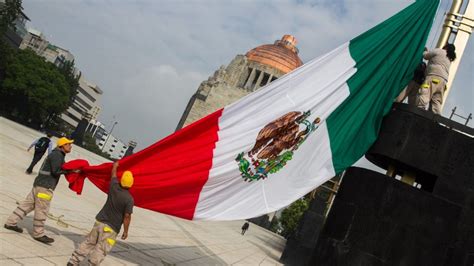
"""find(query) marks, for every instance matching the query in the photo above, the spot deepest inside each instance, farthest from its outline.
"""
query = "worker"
(116, 211)
(411, 89)
(430, 94)
(39, 199)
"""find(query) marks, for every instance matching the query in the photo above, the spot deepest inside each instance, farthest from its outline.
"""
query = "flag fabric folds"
(273, 146)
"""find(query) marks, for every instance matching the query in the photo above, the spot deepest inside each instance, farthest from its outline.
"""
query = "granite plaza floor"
(154, 238)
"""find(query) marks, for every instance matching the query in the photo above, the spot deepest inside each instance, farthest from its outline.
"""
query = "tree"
(291, 216)
(6, 53)
(32, 89)
(69, 72)
(275, 225)
(9, 12)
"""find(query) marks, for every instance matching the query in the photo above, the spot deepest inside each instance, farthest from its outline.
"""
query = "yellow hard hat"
(127, 179)
(63, 141)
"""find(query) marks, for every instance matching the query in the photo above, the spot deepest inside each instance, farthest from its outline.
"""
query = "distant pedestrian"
(116, 211)
(41, 145)
(245, 227)
(39, 199)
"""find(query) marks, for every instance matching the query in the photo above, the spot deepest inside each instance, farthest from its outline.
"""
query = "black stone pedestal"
(300, 246)
(376, 220)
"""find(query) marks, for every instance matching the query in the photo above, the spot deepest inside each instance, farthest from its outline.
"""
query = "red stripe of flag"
(170, 174)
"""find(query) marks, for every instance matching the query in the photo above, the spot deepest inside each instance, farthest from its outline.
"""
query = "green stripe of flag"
(385, 57)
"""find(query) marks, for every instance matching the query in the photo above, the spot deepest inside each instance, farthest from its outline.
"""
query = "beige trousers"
(39, 200)
(430, 94)
(410, 91)
(98, 244)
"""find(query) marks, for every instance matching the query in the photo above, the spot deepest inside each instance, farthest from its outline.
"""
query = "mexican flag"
(275, 145)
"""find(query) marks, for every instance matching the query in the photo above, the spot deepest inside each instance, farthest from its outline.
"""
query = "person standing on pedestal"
(430, 95)
(411, 91)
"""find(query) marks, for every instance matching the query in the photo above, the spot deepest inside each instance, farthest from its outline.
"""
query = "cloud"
(154, 54)
(147, 100)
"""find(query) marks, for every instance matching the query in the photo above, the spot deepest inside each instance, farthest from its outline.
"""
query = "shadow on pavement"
(151, 254)
(139, 253)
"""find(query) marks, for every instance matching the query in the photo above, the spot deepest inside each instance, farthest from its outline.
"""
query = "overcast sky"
(149, 57)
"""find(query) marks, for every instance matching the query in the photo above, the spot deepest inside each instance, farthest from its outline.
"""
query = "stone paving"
(154, 238)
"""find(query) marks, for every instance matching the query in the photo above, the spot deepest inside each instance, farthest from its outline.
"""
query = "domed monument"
(245, 74)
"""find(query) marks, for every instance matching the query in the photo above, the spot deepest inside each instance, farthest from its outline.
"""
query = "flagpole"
(457, 27)
(449, 23)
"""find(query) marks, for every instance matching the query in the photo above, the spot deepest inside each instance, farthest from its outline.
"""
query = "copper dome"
(282, 55)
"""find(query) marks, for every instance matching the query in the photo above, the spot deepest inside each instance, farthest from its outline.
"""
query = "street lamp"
(108, 135)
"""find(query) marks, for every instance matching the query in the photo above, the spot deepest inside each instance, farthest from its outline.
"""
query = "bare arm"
(50, 147)
(126, 223)
(427, 55)
(114, 169)
(430, 54)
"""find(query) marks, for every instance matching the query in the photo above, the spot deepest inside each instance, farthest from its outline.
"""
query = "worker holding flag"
(39, 199)
(116, 211)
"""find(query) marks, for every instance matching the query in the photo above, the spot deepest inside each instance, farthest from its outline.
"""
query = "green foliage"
(54, 122)
(32, 89)
(291, 216)
(9, 11)
(275, 225)
(68, 71)
(6, 52)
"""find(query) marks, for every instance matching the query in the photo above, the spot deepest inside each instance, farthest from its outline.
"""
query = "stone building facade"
(86, 103)
(35, 40)
(245, 74)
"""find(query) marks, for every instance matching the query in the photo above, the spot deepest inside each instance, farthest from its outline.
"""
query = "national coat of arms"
(275, 145)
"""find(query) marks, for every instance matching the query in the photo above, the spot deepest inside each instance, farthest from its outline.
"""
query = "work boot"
(44, 239)
(14, 228)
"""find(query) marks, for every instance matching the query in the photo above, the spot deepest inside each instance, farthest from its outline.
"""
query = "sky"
(149, 57)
